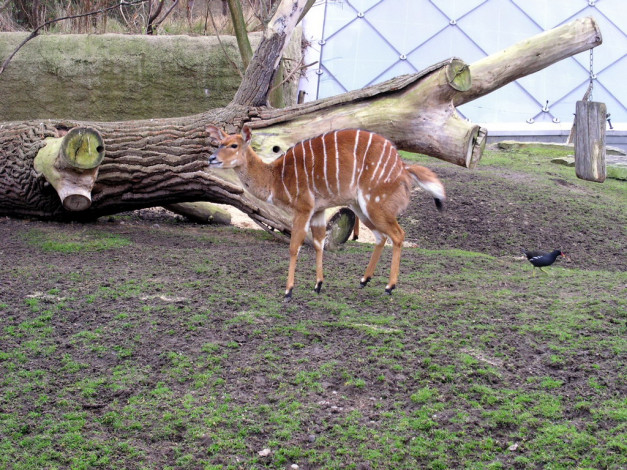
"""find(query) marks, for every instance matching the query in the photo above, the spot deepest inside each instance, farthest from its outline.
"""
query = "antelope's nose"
(212, 159)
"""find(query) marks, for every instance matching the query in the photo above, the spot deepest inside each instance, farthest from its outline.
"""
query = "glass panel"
(507, 104)
(399, 20)
(615, 11)
(455, 9)
(496, 25)
(327, 86)
(362, 5)
(550, 14)
(609, 79)
(568, 74)
(356, 55)
(361, 51)
(449, 43)
(338, 15)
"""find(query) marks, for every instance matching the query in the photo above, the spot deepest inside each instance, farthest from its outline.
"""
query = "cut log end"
(458, 75)
(70, 164)
(340, 227)
(82, 148)
(76, 202)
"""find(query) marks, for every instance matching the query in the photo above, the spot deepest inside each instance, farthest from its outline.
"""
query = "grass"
(87, 240)
(157, 356)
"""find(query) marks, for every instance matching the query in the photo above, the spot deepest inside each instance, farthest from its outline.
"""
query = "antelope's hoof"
(364, 282)
(288, 295)
(388, 290)
(318, 287)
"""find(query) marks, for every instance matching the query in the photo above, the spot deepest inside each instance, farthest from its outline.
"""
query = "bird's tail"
(427, 180)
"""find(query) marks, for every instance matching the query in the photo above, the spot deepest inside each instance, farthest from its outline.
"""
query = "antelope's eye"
(233, 146)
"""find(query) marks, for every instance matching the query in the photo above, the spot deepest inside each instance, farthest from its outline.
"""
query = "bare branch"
(222, 45)
(167, 13)
(296, 69)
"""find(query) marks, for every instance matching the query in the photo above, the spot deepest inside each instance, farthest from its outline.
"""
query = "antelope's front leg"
(299, 231)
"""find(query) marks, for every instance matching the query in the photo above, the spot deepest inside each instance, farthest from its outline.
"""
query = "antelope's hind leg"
(374, 258)
(319, 232)
(397, 235)
(385, 222)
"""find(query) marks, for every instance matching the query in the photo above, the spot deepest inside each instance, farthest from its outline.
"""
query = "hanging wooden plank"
(590, 140)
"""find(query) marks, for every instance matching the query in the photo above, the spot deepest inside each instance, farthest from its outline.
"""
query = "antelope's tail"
(428, 181)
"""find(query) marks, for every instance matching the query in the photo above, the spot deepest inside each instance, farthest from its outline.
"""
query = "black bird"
(540, 258)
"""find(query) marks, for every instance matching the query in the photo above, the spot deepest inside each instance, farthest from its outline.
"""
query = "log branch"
(414, 111)
(70, 164)
(529, 56)
(259, 75)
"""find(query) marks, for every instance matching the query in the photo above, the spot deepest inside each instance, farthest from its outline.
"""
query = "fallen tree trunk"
(147, 163)
(159, 162)
(201, 212)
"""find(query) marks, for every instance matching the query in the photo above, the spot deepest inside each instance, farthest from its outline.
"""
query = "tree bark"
(255, 86)
(201, 212)
(164, 161)
(147, 163)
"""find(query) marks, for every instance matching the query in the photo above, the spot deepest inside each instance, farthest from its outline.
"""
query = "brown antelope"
(350, 167)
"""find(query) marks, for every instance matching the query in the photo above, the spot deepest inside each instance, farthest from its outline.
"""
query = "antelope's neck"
(256, 175)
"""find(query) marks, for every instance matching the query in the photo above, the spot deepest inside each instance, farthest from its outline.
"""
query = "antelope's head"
(231, 151)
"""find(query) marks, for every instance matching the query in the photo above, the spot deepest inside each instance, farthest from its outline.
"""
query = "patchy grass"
(86, 240)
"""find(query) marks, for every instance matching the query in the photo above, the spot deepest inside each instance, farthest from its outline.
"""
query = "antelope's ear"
(246, 134)
(215, 133)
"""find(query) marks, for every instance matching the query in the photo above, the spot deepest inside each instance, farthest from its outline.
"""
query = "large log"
(164, 161)
(146, 164)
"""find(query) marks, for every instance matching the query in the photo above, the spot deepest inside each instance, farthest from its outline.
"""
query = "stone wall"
(115, 77)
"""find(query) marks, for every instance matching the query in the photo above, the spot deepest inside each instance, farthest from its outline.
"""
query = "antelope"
(349, 167)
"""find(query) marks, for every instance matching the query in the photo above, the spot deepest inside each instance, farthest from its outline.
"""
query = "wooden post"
(590, 140)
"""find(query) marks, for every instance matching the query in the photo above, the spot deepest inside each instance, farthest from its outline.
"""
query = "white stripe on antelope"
(346, 169)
